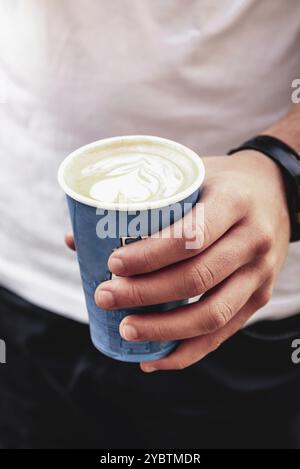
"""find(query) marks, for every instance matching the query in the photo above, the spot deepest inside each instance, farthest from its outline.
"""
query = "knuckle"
(161, 332)
(137, 295)
(219, 314)
(220, 341)
(270, 263)
(266, 267)
(263, 296)
(147, 260)
(207, 230)
(178, 243)
(264, 240)
(214, 342)
(195, 229)
(180, 364)
(240, 200)
(200, 278)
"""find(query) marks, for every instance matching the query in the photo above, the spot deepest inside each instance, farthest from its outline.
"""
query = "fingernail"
(149, 369)
(116, 265)
(105, 299)
(128, 332)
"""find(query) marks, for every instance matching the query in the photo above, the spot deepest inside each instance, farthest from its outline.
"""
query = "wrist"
(258, 161)
(288, 163)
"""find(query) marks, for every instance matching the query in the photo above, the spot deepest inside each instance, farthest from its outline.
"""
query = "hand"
(246, 237)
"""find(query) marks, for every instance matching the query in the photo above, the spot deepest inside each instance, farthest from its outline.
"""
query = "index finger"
(221, 210)
(69, 240)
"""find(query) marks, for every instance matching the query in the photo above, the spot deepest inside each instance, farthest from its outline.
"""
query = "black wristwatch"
(289, 161)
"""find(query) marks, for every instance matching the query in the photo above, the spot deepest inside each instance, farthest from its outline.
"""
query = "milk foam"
(133, 178)
(131, 173)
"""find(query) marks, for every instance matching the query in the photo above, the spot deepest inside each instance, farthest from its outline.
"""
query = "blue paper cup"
(93, 249)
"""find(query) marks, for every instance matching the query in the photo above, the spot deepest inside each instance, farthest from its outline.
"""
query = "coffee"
(131, 173)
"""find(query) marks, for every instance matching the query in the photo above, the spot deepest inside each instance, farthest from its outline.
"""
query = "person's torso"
(206, 73)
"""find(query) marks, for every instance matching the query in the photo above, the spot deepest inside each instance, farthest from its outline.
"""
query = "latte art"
(132, 178)
(132, 170)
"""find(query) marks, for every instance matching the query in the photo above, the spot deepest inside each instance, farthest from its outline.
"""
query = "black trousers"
(57, 391)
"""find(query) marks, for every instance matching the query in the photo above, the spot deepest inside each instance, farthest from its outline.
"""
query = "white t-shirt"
(206, 73)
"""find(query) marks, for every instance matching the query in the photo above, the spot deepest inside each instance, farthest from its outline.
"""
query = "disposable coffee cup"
(142, 182)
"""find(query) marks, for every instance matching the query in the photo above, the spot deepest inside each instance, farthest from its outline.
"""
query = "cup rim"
(116, 206)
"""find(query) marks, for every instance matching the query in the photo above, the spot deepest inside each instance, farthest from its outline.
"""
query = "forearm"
(288, 128)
